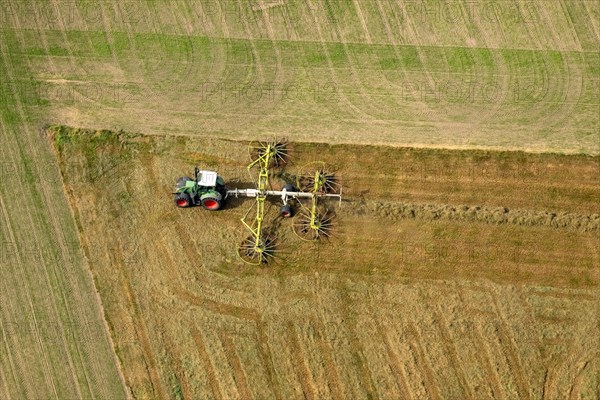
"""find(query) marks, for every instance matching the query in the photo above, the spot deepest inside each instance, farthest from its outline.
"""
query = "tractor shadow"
(236, 202)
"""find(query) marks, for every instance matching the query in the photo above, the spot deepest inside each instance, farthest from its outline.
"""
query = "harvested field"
(502, 75)
(496, 75)
(391, 307)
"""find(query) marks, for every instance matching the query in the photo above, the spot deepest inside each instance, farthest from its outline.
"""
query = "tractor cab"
(207, 188)
(207, 178)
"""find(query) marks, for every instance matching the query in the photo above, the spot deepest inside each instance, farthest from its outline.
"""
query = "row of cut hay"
(490, 215)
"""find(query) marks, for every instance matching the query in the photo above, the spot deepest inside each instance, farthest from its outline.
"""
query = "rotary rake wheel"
(316, 177)
(316, 183)
(258, 252)
(275, 152)
(313, 227)
(259, 248)
(313, 223)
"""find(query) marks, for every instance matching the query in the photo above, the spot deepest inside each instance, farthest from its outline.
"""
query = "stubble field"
(504, 75)
(406, 300)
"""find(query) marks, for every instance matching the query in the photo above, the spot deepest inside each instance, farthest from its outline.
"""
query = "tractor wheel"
(211, 201)
(181, 181)
(183, 200)
(290, 188)
(286, 211)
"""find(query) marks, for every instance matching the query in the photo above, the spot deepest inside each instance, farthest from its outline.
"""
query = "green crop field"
(503, 75)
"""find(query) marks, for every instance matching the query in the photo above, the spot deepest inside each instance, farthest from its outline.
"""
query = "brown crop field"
(464, 262)
(409, 299)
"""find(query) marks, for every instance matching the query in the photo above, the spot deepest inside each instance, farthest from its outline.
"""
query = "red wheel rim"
(211, 204)
(182, 202)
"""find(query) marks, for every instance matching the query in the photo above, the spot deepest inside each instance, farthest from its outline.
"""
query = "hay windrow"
(469, 213)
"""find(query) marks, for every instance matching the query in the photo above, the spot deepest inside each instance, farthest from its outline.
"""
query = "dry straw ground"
(477, 74)
(391, 307)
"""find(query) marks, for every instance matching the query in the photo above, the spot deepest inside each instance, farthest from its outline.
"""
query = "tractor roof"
(207, 178)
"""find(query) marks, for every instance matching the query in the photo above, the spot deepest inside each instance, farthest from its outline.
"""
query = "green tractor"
(206, 189)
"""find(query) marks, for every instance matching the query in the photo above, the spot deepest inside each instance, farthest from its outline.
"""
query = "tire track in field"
(356, 347)
(4, 390)
(598, 380)
(129, 298)
(545, 389)
(451, 352)
(225, 69)
(224, 26)
(301, 366)
(485, 358)
(3, 383)
(189, 297)
(493, 107)
(218, 308)
(574, 77)
(290, 28)
(372, 113)
(561, 372)
(554, 293)
(448, 342)
(177, 366)
(47, 371)
(140, 329)
(511, 352)
(596, 30)
(363, 116)
(394, 43)
(109, 37)
(236, 365)
(331, 373)
(18, 381)
(569, 21)
(416, 346)
(208, 28)
(218, 63)
(363, 22)
(542, 72)
(552, 32)
(279, 70)
(208, 367)
(394, 363)
(575, 391)
(58, 223)
(65, 41)
(110, 45)
(531, 322)
(431, 84)
(74, 212)
(561, 376)
(267, 361)
(130, 33)
(16, 363)
(260, 75)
